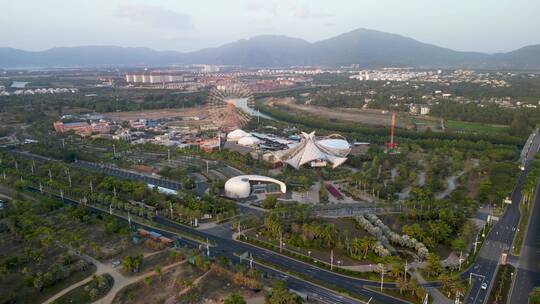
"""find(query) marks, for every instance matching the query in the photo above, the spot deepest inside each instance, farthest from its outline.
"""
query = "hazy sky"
(472, 25)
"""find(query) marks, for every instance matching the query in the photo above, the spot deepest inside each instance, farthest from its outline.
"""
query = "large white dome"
(237, 134)
(249, 141)
(237, 188)
(338, 146)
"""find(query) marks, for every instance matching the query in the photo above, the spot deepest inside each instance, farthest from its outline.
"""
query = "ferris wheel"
(230, 105)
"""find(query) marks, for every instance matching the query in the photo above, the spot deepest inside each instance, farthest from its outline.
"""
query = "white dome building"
(237, 134)
(249, 141)
(245, 185)
(337, 145)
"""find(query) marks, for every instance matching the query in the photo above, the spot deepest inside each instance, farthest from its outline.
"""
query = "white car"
(484, 286)
(115, 264)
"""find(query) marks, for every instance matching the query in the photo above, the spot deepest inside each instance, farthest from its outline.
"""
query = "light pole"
(332, 259)
(382, 275)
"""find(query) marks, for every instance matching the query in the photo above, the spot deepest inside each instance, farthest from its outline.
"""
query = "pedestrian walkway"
(436, 295)
(120, 280)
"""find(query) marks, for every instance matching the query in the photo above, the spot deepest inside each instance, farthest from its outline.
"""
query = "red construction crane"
(392, 145)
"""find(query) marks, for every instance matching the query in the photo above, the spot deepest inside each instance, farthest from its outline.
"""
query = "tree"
(93, 293)
(433, 264)
(520, 126)
(147, 281)
(367, 243)
(159, 273)
(280, 294)
(534, 296)
(234, 299)
(269, 202)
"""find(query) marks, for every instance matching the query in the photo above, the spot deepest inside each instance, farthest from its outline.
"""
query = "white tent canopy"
(310, 150)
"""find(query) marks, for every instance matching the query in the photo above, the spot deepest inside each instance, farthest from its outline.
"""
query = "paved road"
(528, 274)
(230, 249)
(500, 237)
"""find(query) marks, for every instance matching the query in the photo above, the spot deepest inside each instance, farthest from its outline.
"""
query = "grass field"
(463, 126)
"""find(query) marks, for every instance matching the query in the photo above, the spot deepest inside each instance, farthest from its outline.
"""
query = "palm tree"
(366, 243)
(401, 283)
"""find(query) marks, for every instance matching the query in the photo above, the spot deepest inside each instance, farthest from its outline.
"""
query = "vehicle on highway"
(484, 286)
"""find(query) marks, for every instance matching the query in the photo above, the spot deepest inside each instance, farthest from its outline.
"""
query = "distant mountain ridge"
(368, 48)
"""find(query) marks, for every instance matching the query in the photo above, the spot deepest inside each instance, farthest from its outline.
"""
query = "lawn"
(463, 126)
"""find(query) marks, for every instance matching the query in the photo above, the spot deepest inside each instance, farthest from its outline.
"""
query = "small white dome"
(237, 134)
(249, 141)
(237, 188)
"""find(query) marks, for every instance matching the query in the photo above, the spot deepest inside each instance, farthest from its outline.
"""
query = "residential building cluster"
(432, 76)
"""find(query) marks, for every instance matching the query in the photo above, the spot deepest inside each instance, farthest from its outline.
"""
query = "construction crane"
(391, 145)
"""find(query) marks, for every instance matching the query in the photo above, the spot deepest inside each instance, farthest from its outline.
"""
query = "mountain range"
(367, 48)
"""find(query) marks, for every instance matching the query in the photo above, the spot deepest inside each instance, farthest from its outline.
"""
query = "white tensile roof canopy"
(310, 150)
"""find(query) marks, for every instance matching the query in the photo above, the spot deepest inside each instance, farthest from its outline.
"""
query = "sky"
(186, 25)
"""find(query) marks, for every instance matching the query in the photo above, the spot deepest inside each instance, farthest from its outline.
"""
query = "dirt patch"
(367, 117)
(158, 290)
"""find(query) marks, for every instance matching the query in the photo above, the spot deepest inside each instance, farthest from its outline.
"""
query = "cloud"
(155, 16)
(264, 6)
(304, 12)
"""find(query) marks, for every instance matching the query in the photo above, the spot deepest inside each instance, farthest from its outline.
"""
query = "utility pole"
(62, 194)
(239, 231)
(110, 209)
(382, 276)
(460, 259)
(170, 206)
(476, 244)
(50, 175)
(16, 166)
(32, 168)
(91, 188)
(406, 269)
(40, 187)
(169, 155)
(114, 191)
(207, 247)
(69, 177)
(250, 260)
(206, 167)
(129, 219)
(4, 174)
(114, 150)
(332, 259)
(63, 143)
(280, 241)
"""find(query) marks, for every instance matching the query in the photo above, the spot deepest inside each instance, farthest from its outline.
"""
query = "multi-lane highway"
(527, 275)
(231, 249)
(498, 240)
(500, 237)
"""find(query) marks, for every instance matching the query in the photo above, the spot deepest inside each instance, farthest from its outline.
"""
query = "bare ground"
(367, 117)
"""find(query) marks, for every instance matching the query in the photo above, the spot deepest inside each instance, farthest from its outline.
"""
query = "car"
(115, 264)
(484, 286)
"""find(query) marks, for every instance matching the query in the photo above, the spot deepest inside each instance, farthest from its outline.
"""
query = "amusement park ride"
(391, 145)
